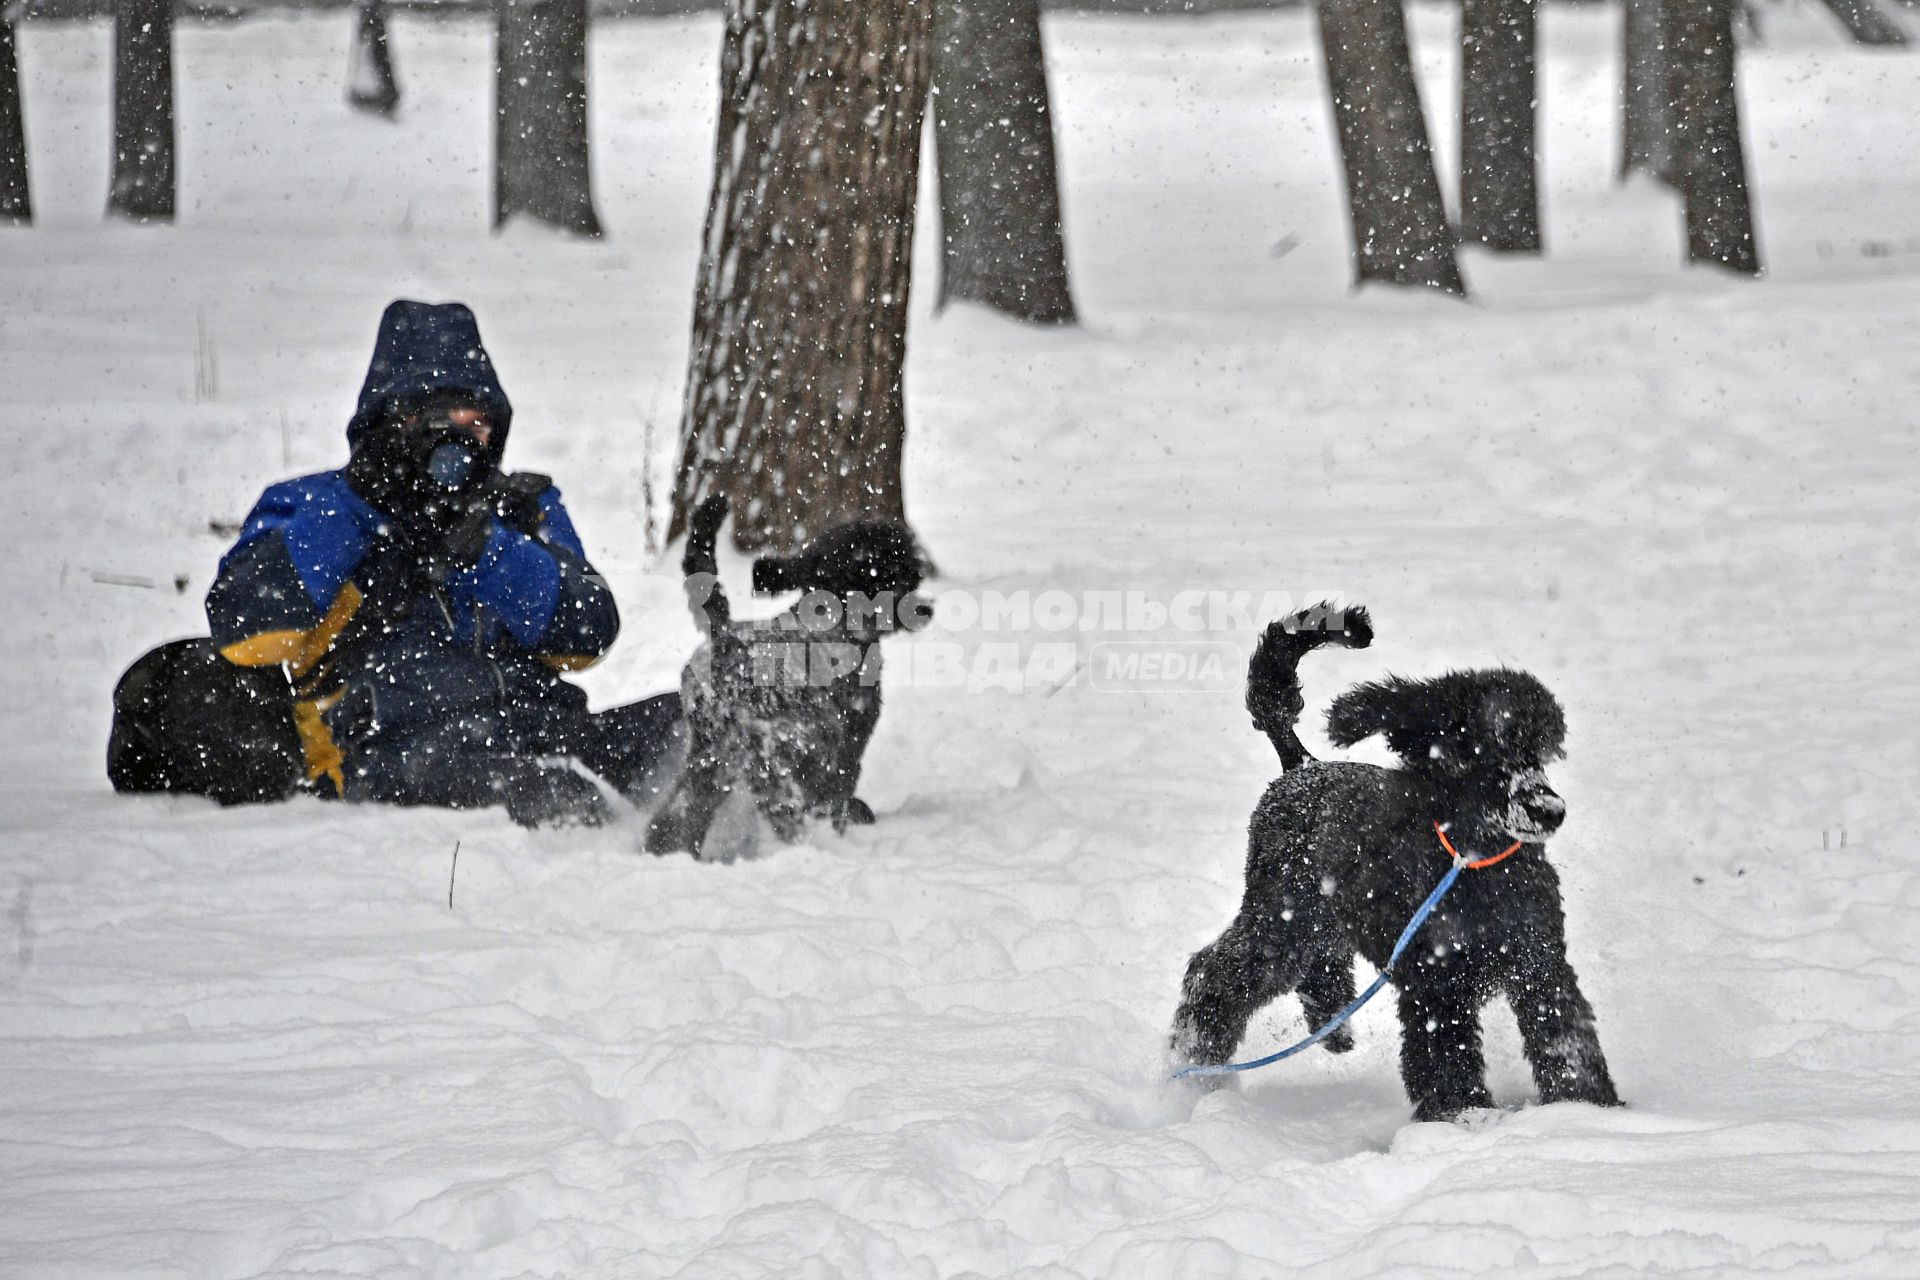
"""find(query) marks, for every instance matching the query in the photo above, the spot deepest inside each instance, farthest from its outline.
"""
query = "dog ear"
(1364, 710)
(1449, 754)
(871, 556)
(775, 574)
(863, 555)
(1417, 718)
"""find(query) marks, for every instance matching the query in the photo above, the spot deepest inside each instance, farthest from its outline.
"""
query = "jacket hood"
(423, 349)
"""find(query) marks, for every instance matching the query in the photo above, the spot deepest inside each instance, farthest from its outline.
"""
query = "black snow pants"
(539, 775)
(185, 720)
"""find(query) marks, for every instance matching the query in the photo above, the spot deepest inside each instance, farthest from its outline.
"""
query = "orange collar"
(1454, 853)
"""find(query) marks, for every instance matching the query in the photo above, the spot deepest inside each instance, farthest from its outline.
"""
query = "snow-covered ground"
(249, 1042)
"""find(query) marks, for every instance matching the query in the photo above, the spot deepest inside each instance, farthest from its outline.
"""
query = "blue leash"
(1333, 1024)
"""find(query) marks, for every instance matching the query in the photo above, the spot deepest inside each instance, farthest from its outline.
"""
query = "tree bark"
(540, 159)
(143, 176)
(1499, 190)
(1646, 142)
(16, 204)
(1710, 163)
(1400, 231)
(371, 85)
(794, 404)
(1002, 240)
(1866, 23)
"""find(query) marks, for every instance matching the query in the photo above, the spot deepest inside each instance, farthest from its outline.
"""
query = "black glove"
(463, 541)
(515, 497)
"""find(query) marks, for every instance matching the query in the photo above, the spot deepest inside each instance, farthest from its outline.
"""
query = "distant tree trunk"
(540, 161)
(794, 405)
(1866, 23)
(1400, 231)
(15, 204)
(1002, 241)
(1499, 192)
(142, 111)
(371, 86)
(1646, 142)
(1711, 165)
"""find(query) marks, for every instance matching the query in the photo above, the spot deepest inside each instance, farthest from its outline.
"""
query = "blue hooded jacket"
(423, 349)
(378, 653)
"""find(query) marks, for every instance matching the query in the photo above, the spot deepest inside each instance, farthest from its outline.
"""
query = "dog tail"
(705, 595)
(1273, 679)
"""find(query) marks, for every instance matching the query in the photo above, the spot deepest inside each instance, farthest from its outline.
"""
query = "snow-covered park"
(259, 1041)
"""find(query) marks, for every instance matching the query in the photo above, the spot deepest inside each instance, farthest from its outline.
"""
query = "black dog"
(785, 708)
(1341, 854)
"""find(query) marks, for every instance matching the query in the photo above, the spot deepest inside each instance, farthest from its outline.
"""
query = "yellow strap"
(298, 649)
(316, 741)
(266, 649)
(301, 650)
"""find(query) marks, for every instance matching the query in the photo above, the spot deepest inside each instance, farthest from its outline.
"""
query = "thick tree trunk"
(1002, 240)
(1646, 140)
(540, 160)
(1499, 192)
(1400, 231)
(794, 404)
(142, 186)
(1866, 23)
(15, 204)
(1710, 164)
(371, 86)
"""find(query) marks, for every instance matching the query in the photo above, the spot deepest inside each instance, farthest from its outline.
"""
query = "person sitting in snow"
(421, 602)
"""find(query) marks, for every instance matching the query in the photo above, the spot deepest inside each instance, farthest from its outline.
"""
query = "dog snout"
(1546, 809)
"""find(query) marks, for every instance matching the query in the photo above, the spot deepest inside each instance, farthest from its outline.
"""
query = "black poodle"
(1340, 854)
(784, 708)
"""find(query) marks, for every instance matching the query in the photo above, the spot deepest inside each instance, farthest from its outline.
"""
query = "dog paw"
(1197, 1086)
(859, 812)
(1458, 1108)
(666, 837)
(1194, 1088)
(1607, 1099)
(1340, 1041)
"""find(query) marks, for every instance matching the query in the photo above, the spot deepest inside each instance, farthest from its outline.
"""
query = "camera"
(447, 468)
(454, 464)
(429, 469)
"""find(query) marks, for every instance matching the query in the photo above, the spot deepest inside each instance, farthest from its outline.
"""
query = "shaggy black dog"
(784, 708)
(1341, 854)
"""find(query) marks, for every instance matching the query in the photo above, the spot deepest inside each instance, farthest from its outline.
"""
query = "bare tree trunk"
(1646, 140)
(142, 111)
(15, 203)
(794, 404)
(1710, 163)
(1499, 190)
(1400, 231)
(1866, 23)
(371, 86)
(540, 160)
(1002, 243)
